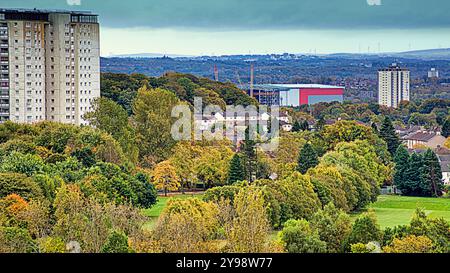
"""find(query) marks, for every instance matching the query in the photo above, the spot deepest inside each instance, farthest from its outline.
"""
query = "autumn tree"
(186, 226)
(250, 228)
(165, 177)
(410, 244)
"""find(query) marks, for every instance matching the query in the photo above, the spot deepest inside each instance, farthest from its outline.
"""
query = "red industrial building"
(297, 94)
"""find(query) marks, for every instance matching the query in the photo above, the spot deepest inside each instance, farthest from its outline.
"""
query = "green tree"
(117, 243)
(401, 161)
(413, 175)
(446, 128)
(333, 226)
(388, 134)
(307, 158)
(250, 155)
(432, 184)
(296, 127)
(297, 236)
(304, 125)
(19, 184)
(153, 121)
(113, 119)
(236, 171)
(365, 230)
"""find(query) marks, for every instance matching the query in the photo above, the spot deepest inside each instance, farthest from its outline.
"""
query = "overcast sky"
(215, 27)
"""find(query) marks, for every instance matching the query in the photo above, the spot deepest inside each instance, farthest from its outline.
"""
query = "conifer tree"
(237, 171)
(305, 125)
(388, 134)
(307, 158)
(413, 177)
(401, 161)
(296, 127)
(431, 175)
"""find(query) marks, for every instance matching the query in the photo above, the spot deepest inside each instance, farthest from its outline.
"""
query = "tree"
(112, 118)
(446, 128)
(388, 134)
(117, 243)
(52, 245)
(186, 226)
(236, 172)
(365, 230)
(165, 177)
(250, 228)
(250, 155)
(413, 175)
(375, 128)
(307, 158)
(304, 125)
(16, 240)
(297, 197)
(410, 244)
(14, 183)
(153, 122)
(431, 175)
(401, 161)
(296, 127)
(333, 226)
(297, 236)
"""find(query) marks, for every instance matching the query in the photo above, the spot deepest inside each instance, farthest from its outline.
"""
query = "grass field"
(390, 210)
(157, 209)
(398, 210)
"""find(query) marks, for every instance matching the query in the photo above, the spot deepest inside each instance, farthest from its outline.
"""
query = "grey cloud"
(259, 14)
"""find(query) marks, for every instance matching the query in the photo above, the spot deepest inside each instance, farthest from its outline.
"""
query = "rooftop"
(420, 136)
(21, 10)
(287, 87)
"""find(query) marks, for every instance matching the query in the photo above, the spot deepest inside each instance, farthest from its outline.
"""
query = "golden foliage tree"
(250, 227)
(165, 177)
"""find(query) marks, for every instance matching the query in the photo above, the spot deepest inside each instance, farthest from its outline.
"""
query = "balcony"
(4, 45)
(4, 54)
(4, 71)
(4, 37)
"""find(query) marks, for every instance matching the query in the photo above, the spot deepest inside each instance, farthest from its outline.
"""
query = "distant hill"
(149, 55)
(430, 54)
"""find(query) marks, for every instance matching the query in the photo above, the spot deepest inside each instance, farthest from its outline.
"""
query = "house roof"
(445, 166)
(420, 136)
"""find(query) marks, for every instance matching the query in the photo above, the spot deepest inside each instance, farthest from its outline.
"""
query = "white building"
(433, 73)
(393, 86)
(444, 160)
(49, 66)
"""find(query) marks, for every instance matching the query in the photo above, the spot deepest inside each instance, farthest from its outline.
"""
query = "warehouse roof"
(287, 87)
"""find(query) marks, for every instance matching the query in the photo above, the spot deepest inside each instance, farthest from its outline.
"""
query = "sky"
(220, 27)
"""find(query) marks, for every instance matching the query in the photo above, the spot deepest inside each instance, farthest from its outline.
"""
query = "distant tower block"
(393, 85)
(433, 73)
